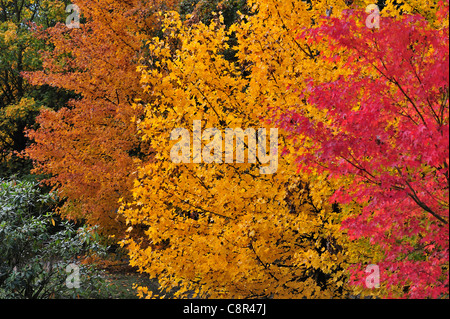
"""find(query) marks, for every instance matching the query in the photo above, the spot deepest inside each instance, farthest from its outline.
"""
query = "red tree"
(386, 126)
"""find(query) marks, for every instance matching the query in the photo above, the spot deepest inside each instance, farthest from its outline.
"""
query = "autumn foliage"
(255, 235)
(223, 230)
(386, 125)
(362, 116)
(90, 148)
(355, 104)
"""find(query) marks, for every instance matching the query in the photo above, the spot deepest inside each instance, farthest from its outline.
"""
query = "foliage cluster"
(362, 116)
(36, 247)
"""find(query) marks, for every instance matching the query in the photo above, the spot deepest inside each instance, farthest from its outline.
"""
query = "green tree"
(20, 102)
(37, 248)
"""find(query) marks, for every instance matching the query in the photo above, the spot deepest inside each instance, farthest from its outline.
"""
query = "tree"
(224, 229)
(37, 249)
(91, 147)
(385, 124)
(20, 102)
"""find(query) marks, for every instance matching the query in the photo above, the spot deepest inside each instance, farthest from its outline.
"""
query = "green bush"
(36, 248)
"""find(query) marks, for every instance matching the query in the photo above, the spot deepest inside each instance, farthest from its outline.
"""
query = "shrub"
(36, 247)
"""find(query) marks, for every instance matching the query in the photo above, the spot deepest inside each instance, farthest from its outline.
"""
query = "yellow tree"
(221, 228)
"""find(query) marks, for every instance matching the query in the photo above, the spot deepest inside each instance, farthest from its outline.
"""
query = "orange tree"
(91, 147)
